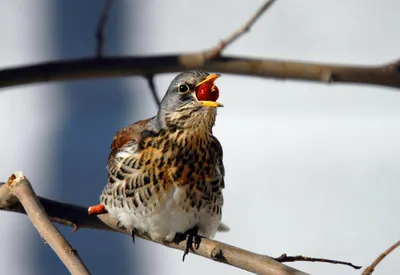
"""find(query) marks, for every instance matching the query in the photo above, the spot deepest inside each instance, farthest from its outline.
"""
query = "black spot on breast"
(161, 164)
(160, 175)
(179, 134)
(135, 203)
(118, 191)
(215, 185)
(191, 166)
(179, 172)
(146, 179)
(119, 175)
(129, 193)
(155, 181)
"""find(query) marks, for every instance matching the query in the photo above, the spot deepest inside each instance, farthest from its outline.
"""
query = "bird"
(166, 173)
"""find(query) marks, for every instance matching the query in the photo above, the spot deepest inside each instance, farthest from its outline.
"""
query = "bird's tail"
(223, 228)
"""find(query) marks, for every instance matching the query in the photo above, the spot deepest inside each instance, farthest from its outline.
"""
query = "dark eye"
(183, 88)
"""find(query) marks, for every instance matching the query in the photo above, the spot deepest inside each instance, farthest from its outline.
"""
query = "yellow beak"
(210, 79)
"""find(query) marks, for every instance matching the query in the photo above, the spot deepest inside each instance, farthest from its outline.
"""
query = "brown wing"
(130, 133)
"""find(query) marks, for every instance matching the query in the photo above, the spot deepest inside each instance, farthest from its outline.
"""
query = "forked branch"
(19, 186)
(216, 51)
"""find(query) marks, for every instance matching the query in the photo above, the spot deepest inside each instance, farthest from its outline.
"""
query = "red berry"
(207, 92)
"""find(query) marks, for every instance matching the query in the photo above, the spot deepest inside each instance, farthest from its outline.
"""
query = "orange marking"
(96, 209)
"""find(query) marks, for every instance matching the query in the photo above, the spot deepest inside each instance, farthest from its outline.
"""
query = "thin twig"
(69, 214)
(299, 258)
(101, 26)
(385, 75)
(150, 81)
(216, 51)
(20, 187)
(372, 267)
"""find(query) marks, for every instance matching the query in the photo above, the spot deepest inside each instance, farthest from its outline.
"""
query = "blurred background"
(311, 169)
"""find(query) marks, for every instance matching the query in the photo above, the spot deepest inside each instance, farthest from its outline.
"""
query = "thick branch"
(69, 214)
(20, 187)
(387, 75)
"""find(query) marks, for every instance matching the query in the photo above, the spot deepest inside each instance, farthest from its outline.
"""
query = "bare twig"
(216, 51)
(101, 26)
(372, 267)
(385, 75)
(20, 187)
(69, 214)
(284, 258)
(150, 81)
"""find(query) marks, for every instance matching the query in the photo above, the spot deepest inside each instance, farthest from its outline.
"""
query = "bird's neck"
(180, 135)
(193, 122)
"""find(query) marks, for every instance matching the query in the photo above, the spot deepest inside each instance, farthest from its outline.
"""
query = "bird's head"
(190, 101)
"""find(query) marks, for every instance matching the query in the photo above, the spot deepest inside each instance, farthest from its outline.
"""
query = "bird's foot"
(97, 209)
(192, 237)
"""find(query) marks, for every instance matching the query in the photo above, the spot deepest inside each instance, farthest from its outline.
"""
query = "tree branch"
(71, 215)
(284, 258)
(150, 81)
(101, 26)
(216, 51)
(372, 267)
(385, 75)
(20, 187)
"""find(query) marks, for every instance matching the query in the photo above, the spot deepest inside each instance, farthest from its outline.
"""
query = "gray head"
(190, 102)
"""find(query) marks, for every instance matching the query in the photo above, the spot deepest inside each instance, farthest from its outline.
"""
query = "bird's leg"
(97, 209)
(191, 237)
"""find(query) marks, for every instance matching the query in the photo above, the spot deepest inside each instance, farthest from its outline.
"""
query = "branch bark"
(385, 75)
(69, 214)
(372, 267)
(20, 187)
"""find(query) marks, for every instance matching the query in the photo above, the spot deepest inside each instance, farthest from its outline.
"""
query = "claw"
(97, 209)
(191, 237)
(133, 236)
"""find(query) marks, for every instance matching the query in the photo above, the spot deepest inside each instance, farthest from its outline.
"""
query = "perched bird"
(165, 173)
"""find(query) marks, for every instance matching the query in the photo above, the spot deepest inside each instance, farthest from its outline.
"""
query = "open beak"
(209, 79)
